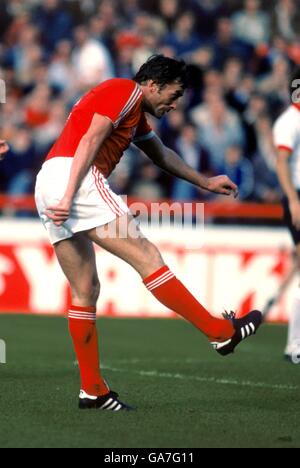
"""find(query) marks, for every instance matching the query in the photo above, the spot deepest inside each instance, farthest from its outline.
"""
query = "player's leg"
(77, 259)
(142, 255)
(293, 345)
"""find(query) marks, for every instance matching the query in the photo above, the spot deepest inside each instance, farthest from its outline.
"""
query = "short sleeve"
(144, 131)
(284, 134)
(117, 100)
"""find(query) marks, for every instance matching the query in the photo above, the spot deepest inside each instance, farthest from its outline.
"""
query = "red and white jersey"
(121, 101)
(287, 136)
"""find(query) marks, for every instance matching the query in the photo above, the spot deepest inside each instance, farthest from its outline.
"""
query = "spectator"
(25, 54)
(238, 97)
(37, 107)
(130, 9)
(184, 39)
(169, 10)
(146, 184)
(207, 13)
(227, 46)
(239, 56)
(267, 188)
(61, 74)
(257, 106)
(150, 45)
(91, 60)
(232, 74)
(285, 19)
(283, 49)
(10, 115)
(109, 11)
(126, 45)
(275, 85)
(18, 7)
(213, 80)
(54, 22)
(98, 30)
(252, 24)
(19, 164)
(219, 127)
(171, 127)
(278, 50)
(144, 22)
(47, 133)
(119, 180)
(5, 18)
(188, 146)
(240, 170)
(200, 63)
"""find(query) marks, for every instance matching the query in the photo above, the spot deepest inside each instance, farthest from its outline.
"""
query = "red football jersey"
(121, 101)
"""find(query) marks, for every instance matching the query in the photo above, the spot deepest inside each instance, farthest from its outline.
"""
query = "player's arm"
(285, 178)
(4, 148)
(171, 162)
(88, 148)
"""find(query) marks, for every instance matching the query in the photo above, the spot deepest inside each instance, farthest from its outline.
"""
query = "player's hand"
(4, 148)
(59, 213)
(295, 212)
(223, 185)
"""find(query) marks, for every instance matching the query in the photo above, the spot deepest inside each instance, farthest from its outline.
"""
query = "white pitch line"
(167, 375)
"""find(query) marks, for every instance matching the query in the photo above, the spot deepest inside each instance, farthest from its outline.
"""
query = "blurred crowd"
(240, 54)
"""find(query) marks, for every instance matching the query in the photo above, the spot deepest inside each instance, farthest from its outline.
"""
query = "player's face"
(162, 101)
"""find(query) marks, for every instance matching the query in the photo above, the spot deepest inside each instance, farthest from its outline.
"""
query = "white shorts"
(95, 204)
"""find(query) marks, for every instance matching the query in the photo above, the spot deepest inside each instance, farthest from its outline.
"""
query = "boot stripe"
(107, 403)
(112, 406)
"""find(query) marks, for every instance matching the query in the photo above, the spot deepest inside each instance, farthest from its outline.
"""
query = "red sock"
(173, 294)
(83, 330)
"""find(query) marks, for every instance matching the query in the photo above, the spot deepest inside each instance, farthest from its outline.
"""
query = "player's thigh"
(124, 239)
(77, 259)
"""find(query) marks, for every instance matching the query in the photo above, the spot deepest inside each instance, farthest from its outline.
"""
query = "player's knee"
(152, 256)
(88, 291)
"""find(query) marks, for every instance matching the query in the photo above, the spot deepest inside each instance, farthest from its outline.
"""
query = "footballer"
(77, 207)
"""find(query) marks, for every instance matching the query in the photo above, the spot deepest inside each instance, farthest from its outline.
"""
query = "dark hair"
(163, 71)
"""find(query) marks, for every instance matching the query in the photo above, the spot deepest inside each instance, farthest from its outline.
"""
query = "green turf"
(186, 395)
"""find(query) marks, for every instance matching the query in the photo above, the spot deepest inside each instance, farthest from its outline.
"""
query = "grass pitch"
(187, 396)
